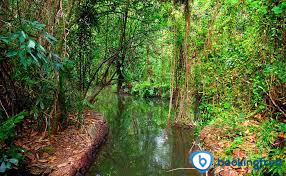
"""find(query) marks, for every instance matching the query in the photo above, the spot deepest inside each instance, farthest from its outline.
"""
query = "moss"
(47, 149)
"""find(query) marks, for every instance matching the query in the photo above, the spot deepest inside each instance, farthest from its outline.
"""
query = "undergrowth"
(238, 131)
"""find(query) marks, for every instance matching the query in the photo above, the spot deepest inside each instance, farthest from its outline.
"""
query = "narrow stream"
(139, 142)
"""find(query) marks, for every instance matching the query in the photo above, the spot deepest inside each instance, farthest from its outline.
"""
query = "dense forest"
(219, 65)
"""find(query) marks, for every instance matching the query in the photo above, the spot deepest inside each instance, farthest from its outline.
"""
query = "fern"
(7, 127)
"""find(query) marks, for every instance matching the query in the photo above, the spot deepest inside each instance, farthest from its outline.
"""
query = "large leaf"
(40, 48)
(22, 37)
(4, 39)
(3, 167)
(50, 38)
(11, 53)
(14, 161)
(13, 36)
(7, 127)
(37, 25)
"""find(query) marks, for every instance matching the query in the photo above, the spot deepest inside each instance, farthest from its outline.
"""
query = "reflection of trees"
(179, 148)
(181, 145)
(137, 145)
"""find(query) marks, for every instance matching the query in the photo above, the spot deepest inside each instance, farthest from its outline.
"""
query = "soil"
(67, 153)
(216, 140)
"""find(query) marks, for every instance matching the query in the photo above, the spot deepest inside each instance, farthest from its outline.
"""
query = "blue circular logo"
(202, 160)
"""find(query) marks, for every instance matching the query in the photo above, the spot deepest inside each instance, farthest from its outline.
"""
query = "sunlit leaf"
(41, 48)
(13, 161)
(31, 44)
(22, 37)
(34, 57)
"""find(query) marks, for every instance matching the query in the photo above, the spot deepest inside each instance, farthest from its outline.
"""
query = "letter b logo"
(201, 160)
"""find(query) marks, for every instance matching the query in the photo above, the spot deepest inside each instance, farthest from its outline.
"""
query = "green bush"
(10, 155)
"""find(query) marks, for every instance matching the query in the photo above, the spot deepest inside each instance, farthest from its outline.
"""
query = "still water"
(139, 143)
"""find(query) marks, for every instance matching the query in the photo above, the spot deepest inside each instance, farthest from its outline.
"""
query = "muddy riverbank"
(67, 153)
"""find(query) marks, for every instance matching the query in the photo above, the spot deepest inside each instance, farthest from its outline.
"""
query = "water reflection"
(138, 142)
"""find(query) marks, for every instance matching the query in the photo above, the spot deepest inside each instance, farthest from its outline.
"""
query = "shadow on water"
(138, 142)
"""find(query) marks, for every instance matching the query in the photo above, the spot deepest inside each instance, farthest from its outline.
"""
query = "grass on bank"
(254, 135)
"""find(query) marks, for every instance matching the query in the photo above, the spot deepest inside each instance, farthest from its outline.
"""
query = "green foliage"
(7, 127)
(147, 89)
(229, 63)
(34, 68)
(10, 157)
(33, 74)
(237, 141)
(270, 170)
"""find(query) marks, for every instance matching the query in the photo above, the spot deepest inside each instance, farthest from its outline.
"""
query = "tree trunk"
(122, 54)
